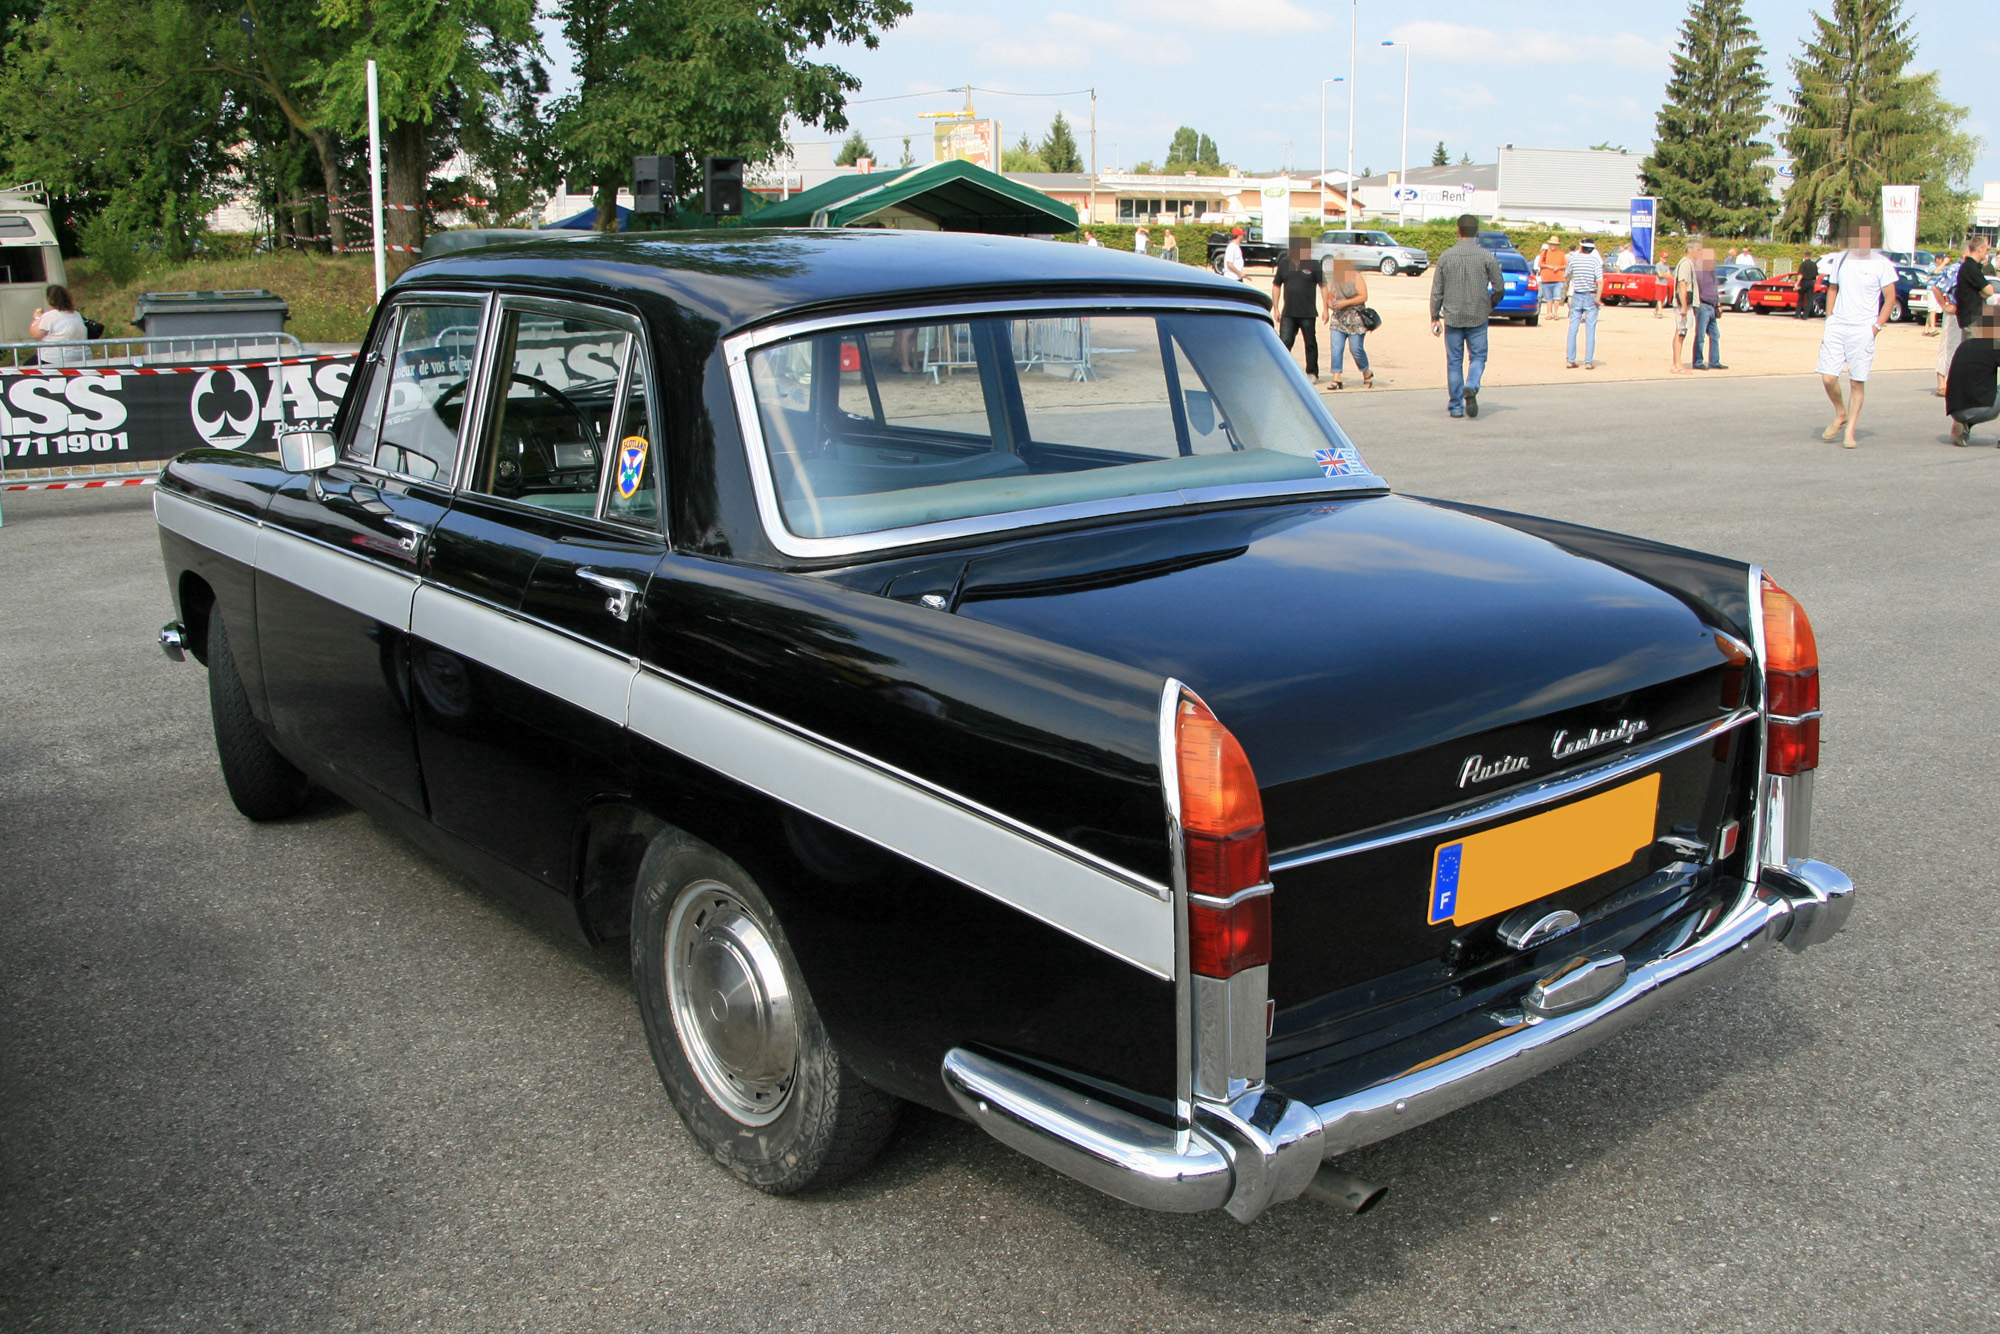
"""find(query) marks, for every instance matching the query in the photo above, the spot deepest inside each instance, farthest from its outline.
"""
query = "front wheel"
(1216, 264)
(1742, 303)
(263, 784)
(734, 1033)
(1388, 268)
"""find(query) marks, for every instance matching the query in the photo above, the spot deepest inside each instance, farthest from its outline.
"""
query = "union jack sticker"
(1340, 462)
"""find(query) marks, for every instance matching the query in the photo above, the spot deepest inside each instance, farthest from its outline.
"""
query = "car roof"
(742, 277)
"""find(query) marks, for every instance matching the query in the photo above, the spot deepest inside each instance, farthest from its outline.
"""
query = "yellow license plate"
(1490, 872)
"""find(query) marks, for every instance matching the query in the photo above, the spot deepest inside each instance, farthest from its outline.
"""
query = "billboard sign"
(1645, 213)
(974, 141)
(1277, 202)
(1899, 217)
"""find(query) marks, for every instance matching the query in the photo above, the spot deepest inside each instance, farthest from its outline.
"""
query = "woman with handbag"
(1347, 321)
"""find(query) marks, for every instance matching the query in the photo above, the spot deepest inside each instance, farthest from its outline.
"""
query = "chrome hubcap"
(732, 1006)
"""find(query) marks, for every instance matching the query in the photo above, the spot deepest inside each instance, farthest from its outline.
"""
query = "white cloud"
(1470, 96)
(1237, 17)
(1062, 40)
(1129, 46)
(1459, 43)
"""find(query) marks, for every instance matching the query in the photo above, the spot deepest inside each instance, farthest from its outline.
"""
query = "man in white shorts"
(1860, 294)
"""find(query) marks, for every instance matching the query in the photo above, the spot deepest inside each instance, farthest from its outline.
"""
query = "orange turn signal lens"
(1789, 645)
(1218, 791)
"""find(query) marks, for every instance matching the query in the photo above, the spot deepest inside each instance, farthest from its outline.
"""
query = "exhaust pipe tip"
(1347, 1192)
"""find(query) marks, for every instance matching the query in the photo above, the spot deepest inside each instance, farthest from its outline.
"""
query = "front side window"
(901, 425)
(414, 397)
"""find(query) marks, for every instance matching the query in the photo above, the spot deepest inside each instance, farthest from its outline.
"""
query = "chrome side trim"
(1117, 914)
(1170, 785)
(569, 669)
(360, 585)
(228, 534)
(737, 349)
(1118, 1152)
(1505, 804)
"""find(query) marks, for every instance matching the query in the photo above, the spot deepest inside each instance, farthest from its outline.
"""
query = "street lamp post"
(1403, 176)
(1353, 46)
(1322, 154)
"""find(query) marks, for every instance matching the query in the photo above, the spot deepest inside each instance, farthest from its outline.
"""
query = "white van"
(30, 259)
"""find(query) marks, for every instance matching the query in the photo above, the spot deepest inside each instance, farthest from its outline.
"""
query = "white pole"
(1403, 181)
(1353, 41)
(375, 175)
(1321, 226)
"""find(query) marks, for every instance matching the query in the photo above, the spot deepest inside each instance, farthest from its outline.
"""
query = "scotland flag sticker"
(1444, 882)
(631, 465)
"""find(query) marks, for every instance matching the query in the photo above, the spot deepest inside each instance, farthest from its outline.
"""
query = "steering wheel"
(586, 429)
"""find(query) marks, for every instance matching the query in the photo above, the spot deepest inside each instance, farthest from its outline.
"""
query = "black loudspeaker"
(722, 187)
(652, 183)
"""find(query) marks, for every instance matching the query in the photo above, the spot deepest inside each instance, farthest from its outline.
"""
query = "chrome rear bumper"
(1264, 1148)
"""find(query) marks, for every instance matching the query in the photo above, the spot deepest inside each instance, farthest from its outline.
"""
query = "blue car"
(1521, 301)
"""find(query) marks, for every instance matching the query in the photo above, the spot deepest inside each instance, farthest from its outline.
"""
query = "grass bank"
(332, 296)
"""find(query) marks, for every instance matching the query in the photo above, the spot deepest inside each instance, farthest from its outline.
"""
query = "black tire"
(813, 1126)
(1215, 262)
(1743, 303)
(1534, 319)
(263, 784)
(1388, 268)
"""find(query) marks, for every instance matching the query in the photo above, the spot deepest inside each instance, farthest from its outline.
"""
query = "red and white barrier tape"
(77, 485)
(170, 370)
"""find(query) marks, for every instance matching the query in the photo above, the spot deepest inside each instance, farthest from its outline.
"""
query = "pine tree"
(1860, 120)
(1704, 166)
(1058, 147)
(909, 158)
(1440, 158)
(1208, 156)
(1465, 159)
(854, 150)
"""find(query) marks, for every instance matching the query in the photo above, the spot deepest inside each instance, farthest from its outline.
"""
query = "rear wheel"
(1534, 319)
(734, 1033)
(263, 784)
(1742, 302)
(1388, 268)
(1216, 264)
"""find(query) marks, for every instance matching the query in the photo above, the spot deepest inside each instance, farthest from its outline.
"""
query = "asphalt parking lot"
(297, 1077)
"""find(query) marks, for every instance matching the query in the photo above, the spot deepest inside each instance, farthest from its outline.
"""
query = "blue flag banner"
(1643, 212)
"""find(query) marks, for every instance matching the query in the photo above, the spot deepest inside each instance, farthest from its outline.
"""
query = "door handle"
(413, 533)
(622, 591)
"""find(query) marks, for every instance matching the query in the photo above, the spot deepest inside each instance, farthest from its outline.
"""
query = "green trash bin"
(179, 314)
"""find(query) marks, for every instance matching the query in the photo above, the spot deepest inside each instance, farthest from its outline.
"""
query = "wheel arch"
(197, 605)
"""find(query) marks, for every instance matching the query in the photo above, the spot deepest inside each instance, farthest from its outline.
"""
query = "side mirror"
(308, 451)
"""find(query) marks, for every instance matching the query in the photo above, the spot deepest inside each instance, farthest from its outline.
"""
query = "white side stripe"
(589, 678)
(230, 534)
(1078, 899)
(361, 585)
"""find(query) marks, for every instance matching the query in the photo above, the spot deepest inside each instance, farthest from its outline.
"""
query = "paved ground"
(295, 1077)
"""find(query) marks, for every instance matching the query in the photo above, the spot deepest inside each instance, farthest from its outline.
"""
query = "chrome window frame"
(738, 347)
(371, 358)
(638, 349)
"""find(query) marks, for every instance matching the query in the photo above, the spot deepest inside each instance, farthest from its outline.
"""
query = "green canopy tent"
(951, 196)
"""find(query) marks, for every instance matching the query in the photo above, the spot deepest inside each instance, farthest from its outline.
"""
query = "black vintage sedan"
(980, 673)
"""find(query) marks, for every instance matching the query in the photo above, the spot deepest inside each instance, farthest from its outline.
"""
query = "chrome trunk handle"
(622, 591)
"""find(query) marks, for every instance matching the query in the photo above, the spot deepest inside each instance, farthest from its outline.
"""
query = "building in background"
(1122, 197)
(1430, 193)
(1584, 189)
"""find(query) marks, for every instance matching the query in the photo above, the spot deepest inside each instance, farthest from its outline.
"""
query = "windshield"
(897, 425)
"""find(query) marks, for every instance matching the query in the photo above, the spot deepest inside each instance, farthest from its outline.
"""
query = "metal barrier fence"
(151, 350)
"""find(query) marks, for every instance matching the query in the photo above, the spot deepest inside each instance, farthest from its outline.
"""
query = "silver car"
(1732, 285)
(1372, 250)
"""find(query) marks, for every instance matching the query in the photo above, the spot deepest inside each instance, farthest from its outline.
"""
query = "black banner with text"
(70, 418)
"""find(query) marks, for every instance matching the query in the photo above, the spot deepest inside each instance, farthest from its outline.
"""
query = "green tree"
(698, 77)
(1023, 157)
(909, 159)
(1440, 158)
(1058, 147)
(1860, 119)
(1192, 154)
(1704, 165)
(854, 150)
(1465, 159)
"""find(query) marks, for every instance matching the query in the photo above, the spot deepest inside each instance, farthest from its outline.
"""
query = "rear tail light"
(1534, 281)
(1228, 867)
(1791, 684)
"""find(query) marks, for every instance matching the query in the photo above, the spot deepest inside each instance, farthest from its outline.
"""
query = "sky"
(1554, 74)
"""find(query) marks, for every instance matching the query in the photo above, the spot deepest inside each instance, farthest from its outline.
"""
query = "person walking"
(1170, 249)
(1586, 285)
(1551, 265)
(1943, 273)
(1466, 284)
(1860, 296)
(1625, 258)
(1346, 294)
(1298, 301)
(1970, 397)
(1808, 285)
(1744, 259)
(1707, 303)
(1974, 286)
(58, 323)
(1232, 257)
(1683, 307)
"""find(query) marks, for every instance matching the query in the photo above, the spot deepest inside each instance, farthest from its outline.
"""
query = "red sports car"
(1781, 293)
(1651, 284)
